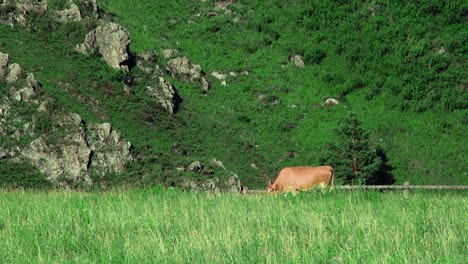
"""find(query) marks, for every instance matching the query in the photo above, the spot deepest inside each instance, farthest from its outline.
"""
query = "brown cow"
(302, 179)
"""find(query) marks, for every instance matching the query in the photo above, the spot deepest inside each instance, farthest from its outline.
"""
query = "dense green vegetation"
(401, 66)
(175, 227)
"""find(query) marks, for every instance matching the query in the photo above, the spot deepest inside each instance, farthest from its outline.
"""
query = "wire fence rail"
(406, 187)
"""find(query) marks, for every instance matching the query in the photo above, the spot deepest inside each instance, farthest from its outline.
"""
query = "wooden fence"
(406, 187)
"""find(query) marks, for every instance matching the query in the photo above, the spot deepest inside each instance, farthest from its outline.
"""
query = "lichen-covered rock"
(32, 6)
(298, 61)
(195, 166)
(14, 72)
(111, 152)
(146, 61)
(72, 14)
(72, 152)
(62, 156)
(22, 10)
(4, 60)
(5, 107)
(169, 53)
(111, 40)
(233, 184)
(211, 185)
(28, 91)
(181, 67)
(164, 93)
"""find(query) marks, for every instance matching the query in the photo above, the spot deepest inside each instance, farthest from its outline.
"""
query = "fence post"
(405, 190)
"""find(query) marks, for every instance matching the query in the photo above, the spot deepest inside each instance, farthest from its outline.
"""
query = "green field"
(169, 226)
(401, 66)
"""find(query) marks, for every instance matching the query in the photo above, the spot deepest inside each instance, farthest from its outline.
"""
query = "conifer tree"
(353, 157)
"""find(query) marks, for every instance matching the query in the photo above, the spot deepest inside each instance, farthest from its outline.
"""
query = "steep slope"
(401, 67)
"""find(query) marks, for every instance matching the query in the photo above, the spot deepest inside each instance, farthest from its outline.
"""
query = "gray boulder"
(169, 53)
(32, 6)
(72, 14)
(4, 60)
(298, 60)
(181, 67)
(195, 166)
(330, 102)
(62, 159)
(111, 41)
(233, 184)
(72, 152)
(164, 93)
(22, 10)
(146, 61)
(14, 72)
(111, 151)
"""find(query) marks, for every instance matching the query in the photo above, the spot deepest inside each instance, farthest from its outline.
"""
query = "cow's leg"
(322, 187)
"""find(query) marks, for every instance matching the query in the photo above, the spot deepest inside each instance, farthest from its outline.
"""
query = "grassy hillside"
(401, 66)
(175, 227)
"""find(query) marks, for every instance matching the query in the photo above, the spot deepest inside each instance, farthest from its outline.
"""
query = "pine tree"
(353, 158)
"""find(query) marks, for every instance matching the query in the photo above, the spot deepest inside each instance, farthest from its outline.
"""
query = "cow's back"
(308, 177)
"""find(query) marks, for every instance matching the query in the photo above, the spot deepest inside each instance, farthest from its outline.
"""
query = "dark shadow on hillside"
(130, 62)
(177, 100)
(384, 175)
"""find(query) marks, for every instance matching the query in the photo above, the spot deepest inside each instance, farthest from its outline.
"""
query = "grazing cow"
(302, 179)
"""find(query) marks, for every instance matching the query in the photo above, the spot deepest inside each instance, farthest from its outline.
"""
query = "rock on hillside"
(111, 41)
(70, 14)
(62, 146)
(183, 68)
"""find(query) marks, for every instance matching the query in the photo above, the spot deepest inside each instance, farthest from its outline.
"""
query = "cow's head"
(272, 187)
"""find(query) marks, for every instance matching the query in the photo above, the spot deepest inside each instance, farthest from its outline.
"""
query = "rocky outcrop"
(213, 185)
(233, 184)
(63, 147)
(4, 59)
(156, 84)
(111, 41)
(76, 151)
(146, 61)
(181, 67)
(65, 159)
(14, 72)
(72, 14)
(195, 166)
(28, 91)
(201, 182)
(170, 53)
(111, 152)
(17, 11)
(164, 93)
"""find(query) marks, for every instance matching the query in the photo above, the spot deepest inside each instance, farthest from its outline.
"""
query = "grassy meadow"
(400, 66)
(169, 226)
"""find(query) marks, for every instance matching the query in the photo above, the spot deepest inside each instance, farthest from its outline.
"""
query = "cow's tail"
(331, 183)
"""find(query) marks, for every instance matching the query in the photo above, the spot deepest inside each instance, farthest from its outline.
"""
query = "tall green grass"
(383, 61)
(174, 227)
